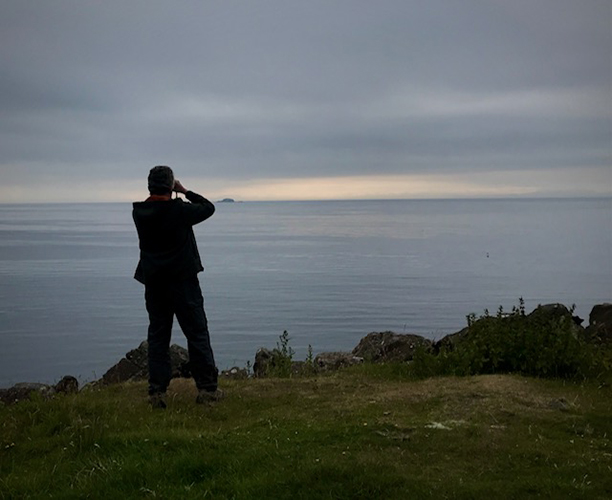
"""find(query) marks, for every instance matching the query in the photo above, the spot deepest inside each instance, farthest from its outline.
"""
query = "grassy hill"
(366, 432)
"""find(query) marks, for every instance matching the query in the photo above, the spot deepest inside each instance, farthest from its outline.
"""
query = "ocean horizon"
(332, 200)
(329, 272)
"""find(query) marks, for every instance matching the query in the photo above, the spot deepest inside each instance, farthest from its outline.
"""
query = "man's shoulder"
(158, 203)
(153, 209)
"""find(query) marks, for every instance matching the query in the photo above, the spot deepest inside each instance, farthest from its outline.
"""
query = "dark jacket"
(168, 248)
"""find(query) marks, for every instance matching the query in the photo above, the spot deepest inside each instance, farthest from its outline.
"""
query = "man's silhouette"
(168, 268)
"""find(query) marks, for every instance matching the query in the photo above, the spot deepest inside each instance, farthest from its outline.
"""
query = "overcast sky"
(308, 99)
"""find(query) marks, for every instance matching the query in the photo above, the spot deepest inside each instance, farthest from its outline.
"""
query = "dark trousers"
(182, 298)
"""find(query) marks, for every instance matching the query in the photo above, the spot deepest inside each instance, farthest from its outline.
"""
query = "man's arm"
(199, 209)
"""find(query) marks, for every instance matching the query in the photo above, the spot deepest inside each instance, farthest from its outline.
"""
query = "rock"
(450, 341)
(327, 361)
(179, 362)
(23, 391)
(134, 366)
(599, 330)
(263, 360)
(139, 355)
(123, 371)
(235, 373)
(558, 312)
(554, 309)
(601, 314)
(381, 347)
(67, 385)
(544, 313)
(267, 360)
(94, 385)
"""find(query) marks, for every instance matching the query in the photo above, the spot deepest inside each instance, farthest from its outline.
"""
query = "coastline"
(376, 347)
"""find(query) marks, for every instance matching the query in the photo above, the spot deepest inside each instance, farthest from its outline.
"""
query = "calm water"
(328, 272)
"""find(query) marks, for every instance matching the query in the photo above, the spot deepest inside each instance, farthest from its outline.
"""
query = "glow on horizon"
(370, 187)
(545, 183)
(499, 184)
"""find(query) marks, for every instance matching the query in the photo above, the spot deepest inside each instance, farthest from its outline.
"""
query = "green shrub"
(282, 358)
(541, 344)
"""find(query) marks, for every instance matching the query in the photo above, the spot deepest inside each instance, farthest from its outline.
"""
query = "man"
(168, 268)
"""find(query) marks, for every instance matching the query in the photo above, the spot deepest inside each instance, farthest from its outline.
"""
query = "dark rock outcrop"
(561, 314)
(134, 366)
(179, 362)
(263, 361)
(599, 330)
(267, 361)
(67, 385)
(382, 347)
(451, 341)
(557, 311)
(327, 361)
(24, 390)
(122, 371)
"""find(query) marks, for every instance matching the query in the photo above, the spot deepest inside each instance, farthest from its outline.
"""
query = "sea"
(327, 272)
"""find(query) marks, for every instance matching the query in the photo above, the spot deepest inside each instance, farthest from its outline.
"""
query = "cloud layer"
(236, 95)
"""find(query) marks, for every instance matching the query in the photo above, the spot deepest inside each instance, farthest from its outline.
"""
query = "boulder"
(139, 355)
(23, 391)
(451, 341)
(328, 361)
(134, 366)
(599, 330)
(267, 360)
(67, 385)
(382, 347)
(122, 371)
(263, 361)
(179, 362)
(560, 313)
(556, 310)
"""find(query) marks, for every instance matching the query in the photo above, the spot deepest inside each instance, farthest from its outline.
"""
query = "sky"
(317, 99)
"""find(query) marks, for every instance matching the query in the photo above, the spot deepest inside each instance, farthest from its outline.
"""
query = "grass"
(366, 432)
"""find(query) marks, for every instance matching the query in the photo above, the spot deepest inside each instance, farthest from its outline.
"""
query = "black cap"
(161, 180)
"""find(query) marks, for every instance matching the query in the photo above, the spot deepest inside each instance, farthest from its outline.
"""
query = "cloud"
(245, 90)
(535, 102)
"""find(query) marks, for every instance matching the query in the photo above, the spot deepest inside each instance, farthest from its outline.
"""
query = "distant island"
(227, 200)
